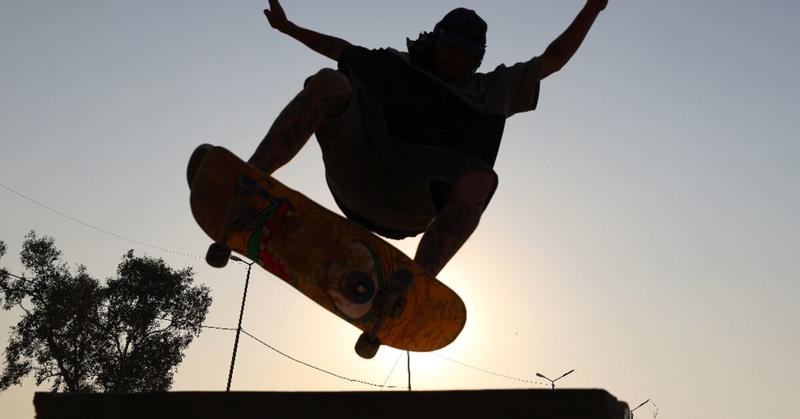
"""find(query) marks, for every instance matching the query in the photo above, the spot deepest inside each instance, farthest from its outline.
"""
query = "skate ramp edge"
(516, 403)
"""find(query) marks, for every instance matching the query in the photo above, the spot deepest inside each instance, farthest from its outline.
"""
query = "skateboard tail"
(209, 201)
(428, 325)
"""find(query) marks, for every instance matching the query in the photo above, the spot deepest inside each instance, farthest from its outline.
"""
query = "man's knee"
(475, 188)
(329, 83)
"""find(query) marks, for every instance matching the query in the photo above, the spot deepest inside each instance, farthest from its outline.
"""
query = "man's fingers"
(275, 15)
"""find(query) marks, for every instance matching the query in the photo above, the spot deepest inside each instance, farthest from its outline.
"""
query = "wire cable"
(96, 228)
(353, 380)
(496, 374)
(228, 329)
(396, 361)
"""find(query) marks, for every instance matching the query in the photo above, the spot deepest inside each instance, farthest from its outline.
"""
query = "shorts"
(390, 187)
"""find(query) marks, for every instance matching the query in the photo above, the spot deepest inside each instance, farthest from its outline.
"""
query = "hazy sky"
(644, 232)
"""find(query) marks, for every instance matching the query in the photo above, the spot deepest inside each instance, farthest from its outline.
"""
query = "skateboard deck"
(346, 269)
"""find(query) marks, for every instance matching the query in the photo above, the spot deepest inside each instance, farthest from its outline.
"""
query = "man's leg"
(456, 221)
(325, 95)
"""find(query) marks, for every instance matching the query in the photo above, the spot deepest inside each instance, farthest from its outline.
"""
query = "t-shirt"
(418, 107)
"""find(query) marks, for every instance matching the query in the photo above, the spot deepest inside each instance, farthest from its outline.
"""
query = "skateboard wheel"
(367, 347)
(218, 255)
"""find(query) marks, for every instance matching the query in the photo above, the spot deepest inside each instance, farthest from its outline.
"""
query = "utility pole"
(241, 314)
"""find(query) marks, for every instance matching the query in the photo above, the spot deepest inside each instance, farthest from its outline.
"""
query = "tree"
(125, 335)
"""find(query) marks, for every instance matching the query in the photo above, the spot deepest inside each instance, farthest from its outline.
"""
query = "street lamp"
(241, 314)
(553, 382)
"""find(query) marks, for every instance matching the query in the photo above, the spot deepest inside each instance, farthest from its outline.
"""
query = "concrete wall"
(558, 404)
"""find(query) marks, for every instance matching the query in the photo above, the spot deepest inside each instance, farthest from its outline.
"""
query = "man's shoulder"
(519, 67)
(400, 54)
(357, 53)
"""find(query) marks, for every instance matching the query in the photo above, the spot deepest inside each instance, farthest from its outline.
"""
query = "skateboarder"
(409, 139)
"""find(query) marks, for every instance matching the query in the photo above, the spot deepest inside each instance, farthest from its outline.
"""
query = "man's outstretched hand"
(276, 16)
(597, 5)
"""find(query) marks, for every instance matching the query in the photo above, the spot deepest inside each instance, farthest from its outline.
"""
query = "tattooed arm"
(326, 45)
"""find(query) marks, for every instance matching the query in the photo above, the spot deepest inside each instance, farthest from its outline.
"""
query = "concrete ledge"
(530, 404)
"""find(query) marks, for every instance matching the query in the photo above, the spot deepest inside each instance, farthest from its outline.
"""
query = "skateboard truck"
(388, 303)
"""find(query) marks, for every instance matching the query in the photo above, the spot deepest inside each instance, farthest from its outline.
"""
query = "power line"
(496, 374)
(396, 361)
(96, 228)
(15, 276)
(228, 329)
(353, 380)
(314, 366)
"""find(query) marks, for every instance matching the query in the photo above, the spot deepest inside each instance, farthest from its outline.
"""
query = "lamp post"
(241, 314)
(553, 382)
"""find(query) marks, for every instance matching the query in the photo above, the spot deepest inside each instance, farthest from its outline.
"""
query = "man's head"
(461, 36)
(455, 48)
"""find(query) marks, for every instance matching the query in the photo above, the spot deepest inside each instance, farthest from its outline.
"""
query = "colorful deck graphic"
(339, 265)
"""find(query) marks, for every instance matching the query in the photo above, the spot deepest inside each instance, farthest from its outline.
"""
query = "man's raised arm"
(328, 46)
(564, 47)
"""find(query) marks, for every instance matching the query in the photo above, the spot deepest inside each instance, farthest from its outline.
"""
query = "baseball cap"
(463, 28)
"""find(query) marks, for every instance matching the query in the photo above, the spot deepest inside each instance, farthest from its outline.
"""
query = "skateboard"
(340, 265)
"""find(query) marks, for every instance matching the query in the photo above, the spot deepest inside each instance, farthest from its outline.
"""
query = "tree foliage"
(126, 334)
